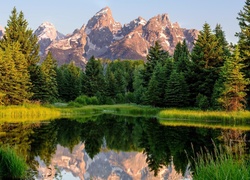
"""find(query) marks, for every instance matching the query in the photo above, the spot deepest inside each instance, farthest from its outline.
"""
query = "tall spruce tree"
(156, 55)
(177, 93)
(234, 89)
(48, 71)
(244, 40)
(69, 81)
(94, 78)
(17, 31)
(207, 58)
(220, 35)
(14, 76)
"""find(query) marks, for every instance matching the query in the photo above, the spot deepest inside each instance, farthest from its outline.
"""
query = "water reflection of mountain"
(113, 145)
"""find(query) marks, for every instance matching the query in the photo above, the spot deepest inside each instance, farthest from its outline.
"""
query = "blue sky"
(69, 15)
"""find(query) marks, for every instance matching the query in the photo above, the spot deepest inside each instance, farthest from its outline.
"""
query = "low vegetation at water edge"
(203, 115)
(28, 112)
(223, 166)
(11, 165)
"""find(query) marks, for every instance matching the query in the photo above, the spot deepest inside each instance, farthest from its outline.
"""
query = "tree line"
(214, 75)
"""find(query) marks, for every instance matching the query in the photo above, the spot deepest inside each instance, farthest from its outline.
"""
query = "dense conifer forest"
(214, 75)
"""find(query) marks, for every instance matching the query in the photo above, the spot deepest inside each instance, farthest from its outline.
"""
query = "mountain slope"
(103, 37)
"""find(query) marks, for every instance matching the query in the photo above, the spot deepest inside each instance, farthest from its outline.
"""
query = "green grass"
(202, 115)
(119, 109)
(220, 165)
(28, 112)
(11, 165)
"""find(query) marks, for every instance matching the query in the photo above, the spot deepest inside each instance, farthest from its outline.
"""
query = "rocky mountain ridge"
(1, 31)
(103, 37)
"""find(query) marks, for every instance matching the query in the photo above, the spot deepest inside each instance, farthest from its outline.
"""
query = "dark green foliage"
(220, 35)
(155, 55)
(207, 58)
(49, 91)
(85, 100)
(69, 80)
(139, 89)
(244, 40)
(176, 90)
(93, 80)
(202, 102)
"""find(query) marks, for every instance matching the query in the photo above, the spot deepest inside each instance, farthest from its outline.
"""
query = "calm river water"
(116, 147)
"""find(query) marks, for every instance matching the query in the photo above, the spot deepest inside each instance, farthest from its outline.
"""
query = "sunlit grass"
(27, 112)
(203, 115)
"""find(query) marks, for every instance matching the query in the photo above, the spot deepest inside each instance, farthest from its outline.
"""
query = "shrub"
(202, 102)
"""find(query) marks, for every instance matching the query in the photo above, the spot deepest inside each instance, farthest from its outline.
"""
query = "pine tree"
(69, 81)
(49, 76)
(176, 90)
(234, 93)
(154, 91)
(139, 89)
(156, 55)
(94, 77)
(220, 35)
(181, 57)
(14, 77)
(207, 58)
(17, 31)
(244, 39)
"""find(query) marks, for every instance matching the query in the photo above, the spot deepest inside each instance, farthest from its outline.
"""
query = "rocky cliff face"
(1, 32)
(105, 165)
(103, 37)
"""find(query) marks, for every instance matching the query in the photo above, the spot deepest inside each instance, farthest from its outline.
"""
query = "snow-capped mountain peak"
(46, 33)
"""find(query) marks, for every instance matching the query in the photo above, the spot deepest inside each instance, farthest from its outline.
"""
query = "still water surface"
(114, 147)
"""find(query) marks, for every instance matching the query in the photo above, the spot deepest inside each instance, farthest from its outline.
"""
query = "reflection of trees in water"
(158, 142)
(235, 141)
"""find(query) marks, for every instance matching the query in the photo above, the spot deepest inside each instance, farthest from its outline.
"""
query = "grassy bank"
(27, 113)
(119, 109)
(203, 115)
(220, 165)
(11, 165)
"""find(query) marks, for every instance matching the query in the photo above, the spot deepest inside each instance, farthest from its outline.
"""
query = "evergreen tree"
(207, 57)
(220, 35)
(14, 76)
(176, 90)
(234, 93)
(181, 57)
(69, 80)
(156, 55)
(154, 91)
(244, 39)
(139, 89)
(94, 78)
(49, 76)
(17, 31)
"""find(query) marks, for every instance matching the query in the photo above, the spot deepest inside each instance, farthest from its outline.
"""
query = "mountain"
(1, 31)
(103, 37)
(47, 33)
